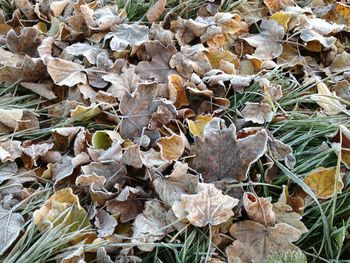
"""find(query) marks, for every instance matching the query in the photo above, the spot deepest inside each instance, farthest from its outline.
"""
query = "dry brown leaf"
(221, 157)
(284, 214)
(43, 89)
(150, 225)
(138, 108)
(156, 11)
(257, 112)
(105, 223)
(158, 69)
(269, 42)
(259, 209)
(10, 150)
(254, 242)
(25, 43)
(66, 73)
(277, 5)
(171, 187)
(208, 206)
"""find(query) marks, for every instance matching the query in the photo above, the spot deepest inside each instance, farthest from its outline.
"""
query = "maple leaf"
(254, 242)
(138, 109)
(158, 68)
(208, 206)
(221, 157)
(268, 42)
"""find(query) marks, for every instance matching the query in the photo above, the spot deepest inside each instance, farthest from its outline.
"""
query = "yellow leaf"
(103, 139)
(171, 148)
(197, 126)
(327, 100)
(215, 55)
(85, 113)
(282, 18)
(62, 207)
(322, 182)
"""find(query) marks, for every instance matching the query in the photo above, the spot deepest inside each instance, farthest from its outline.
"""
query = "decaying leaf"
(322, 181)
(219, 156)
(11, 225)
(150, 225)
(269, 42)
(208, 206)
(257, 112)
(156, 11)
(180, 181)
(284, 214)
(62, 207)
(65, 72)
(259, 209)
(341, 144)
(254, 242)
(105, 223)
(171, 148)
(124, 35)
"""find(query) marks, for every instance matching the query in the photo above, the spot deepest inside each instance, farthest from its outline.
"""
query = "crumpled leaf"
(105, 223)
(268, 42)
(322, 182)
(124, 35)
(149, 226)
(171, 187)
(221, 157)
(208, 206)
(126, 204)
(254, 242)
(257, 112)
(259, 209)
(85, 113)
(66, 73)
(191, 59)
(61, 201)
(138, 108)
(341, 144)
(11, 225)
(90, 52)
(10, 150)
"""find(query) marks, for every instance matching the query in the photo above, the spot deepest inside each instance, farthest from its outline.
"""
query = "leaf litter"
(149, 135)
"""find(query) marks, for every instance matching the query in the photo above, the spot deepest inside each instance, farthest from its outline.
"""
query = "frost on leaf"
(219, 156)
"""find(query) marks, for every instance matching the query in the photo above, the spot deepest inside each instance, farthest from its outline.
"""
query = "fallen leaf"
(329, 101)
(158, 69)
(156, 11)
(66, 73)
(105, 223)
(322, 182)
(269, 42)
(11, 225)
(84, 113)
(149, 226)
(126, 204)
(171, 148)
(10, 150)
(259, 209)
(171, 187)
(42, 89)
(62, 207)
(284, 214)
(197, 126)
(254, 242)
(260, 113)
(208, 206)
(277, 5)
(124, 35)
(341, 144)
(221, 157)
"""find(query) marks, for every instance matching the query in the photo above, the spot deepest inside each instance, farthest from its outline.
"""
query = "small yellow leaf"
(171, 148)
(85, 113)
(103, 139)
(282, 18)
(322, 182)
(62, 207)
(197, 126)
(215, 55)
